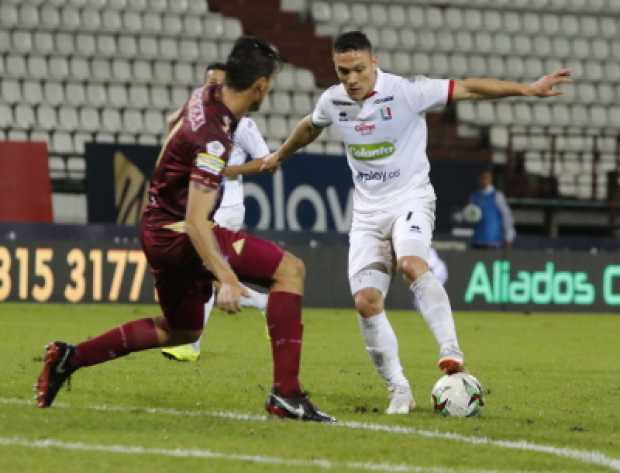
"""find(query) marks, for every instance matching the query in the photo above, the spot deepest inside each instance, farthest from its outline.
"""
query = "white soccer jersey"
(385, 137)
(248, 142)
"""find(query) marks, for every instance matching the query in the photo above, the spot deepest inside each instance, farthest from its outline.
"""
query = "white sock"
(431, 300)
(208, 309)
(382, 346)
(255, 299)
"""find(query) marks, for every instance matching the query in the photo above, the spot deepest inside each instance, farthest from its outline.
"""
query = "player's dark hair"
(250, 59)
(352, 41)
(216, 66)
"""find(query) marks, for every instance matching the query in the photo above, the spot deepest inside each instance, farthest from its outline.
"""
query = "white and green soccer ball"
(457, 395)
(472, 213)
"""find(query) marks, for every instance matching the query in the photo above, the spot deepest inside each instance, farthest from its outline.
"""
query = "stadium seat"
(67, 118)
(53, 93)
(159, 97)
(85, 44)
(127, 47)
(24, 117)
(58, 68)
(121, 70)
(154, 123)
(96, 95)
(183, 73)
(132, 121)
(61, 143)
(172, 24)
(15, 66)
(138, 96)
(32, 92)
(101, 69)
(117, 95)
(49, 16)
(132, 22)
(188, 51)
(90, 19)
(111, 120)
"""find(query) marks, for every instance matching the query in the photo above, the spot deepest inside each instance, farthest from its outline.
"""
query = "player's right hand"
(229, 297)
(271, 163)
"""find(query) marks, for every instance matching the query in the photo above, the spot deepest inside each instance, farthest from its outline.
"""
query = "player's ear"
(262, 85)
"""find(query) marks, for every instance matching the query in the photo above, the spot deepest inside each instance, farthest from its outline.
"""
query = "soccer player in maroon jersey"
(187, 252)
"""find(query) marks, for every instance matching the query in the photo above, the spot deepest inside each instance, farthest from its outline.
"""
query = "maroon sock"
(133, 336)
(285, 330)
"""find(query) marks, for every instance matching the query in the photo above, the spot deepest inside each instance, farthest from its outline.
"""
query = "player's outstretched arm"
(251, 167)
(303, 134)
(475, 89)
(200, 201)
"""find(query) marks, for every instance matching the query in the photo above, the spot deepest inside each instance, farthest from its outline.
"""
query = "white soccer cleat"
(401, 399)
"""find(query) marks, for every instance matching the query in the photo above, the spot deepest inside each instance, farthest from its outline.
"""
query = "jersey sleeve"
(320, 115)
(251, 141)
(425, 94)
(209, 162)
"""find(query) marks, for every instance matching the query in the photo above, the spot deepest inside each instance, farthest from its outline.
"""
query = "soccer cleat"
(451, 360)
(181, 353)
(56, 370)
(296, 407)
(401, 399)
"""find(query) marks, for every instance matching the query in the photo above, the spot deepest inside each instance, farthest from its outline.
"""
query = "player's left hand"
(229, 297)
(544, 87)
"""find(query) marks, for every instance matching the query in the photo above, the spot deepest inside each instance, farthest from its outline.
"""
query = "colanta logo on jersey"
(372, 151)
(365, 128)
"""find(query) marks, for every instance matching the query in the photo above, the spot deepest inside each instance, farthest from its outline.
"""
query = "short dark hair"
(250, 59)
(216, 66)
(352, 41)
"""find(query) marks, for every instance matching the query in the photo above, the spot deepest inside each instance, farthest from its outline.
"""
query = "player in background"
(187, 252)
(248, 143)
(381, 117)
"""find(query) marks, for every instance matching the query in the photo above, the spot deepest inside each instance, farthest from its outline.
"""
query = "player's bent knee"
(291, 269)
(412, 267)
(368, 302)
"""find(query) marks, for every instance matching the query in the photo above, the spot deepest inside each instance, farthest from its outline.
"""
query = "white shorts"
(230, 217)
(378, 239)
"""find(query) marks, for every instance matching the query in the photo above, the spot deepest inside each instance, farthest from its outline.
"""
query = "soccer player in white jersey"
(381, 118)
(248, 143)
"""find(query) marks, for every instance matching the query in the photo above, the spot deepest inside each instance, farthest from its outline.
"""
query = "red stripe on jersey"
(450, 90)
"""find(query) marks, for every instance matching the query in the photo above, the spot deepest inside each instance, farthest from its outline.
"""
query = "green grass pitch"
(553, 381)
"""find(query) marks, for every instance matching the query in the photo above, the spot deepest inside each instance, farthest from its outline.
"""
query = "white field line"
(238, 457)
(585, 456)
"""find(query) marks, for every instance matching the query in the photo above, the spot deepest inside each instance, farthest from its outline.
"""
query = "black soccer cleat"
(296, 407)
(56, 370)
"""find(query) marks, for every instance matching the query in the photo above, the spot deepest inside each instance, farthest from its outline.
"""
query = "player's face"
(357, 70)
(215, 77)
(486, 179)
(261, 88)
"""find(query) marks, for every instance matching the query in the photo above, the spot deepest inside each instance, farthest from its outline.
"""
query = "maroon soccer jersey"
(197, 149)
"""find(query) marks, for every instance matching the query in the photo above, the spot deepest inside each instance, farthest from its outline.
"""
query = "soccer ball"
(472, 213)
(457, 395)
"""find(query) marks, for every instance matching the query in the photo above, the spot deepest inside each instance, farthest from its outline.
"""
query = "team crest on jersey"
(386, 113)
(210, 163)
(365, 128)
(216, 148)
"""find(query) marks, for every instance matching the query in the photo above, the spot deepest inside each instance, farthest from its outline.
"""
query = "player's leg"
(265, 263)
(182, 292)
(190, 351)
(412, 236)
(369, 278)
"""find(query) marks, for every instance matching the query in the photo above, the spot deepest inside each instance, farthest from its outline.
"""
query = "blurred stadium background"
(85, 86)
